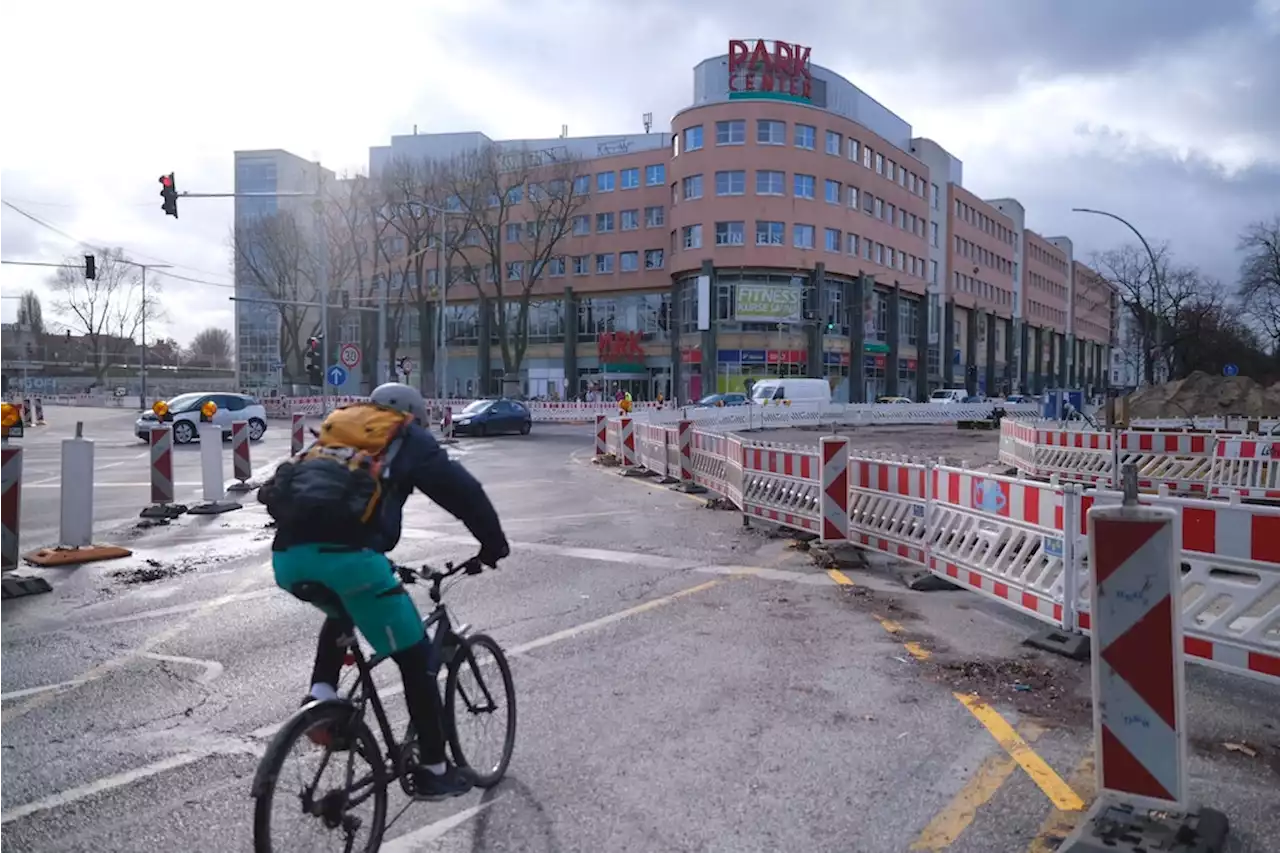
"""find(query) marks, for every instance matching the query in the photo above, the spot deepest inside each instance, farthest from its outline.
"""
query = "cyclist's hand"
(490, 554)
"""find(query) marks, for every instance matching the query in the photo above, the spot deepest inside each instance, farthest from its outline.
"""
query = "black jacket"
(420, 463)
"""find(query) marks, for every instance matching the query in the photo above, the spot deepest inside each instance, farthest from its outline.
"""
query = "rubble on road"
(1204, 395)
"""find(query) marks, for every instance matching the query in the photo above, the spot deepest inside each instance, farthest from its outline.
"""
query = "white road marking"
(598, 554)
(180, 608)
(32, 691)
(212, 669)
(415, 840)
(147, 485)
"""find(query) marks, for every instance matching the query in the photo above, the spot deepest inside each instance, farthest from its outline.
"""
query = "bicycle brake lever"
(475, 567)
(407, 576)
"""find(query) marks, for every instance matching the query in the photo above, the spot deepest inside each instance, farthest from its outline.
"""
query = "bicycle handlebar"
(410, 575)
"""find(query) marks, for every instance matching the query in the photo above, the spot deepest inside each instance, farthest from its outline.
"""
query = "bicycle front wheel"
(479, 694)
(321, 785)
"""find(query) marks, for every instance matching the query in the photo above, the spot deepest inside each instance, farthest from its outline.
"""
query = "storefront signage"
(620, 347)
(768, 303)
(786, 356)
(775, 70)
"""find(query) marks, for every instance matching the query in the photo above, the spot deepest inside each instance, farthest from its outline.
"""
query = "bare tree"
(1155, 298)
(519, 206)
(351, 254)
(274, 255)
(108, 310)
(212, 345)
(406, 225)
(1260, 277)
(31, 313)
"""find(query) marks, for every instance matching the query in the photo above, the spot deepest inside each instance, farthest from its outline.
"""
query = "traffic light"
(346, 299)
(831, 324)
(68, 336)
(169, 192)
(313, 361)
(90, 268)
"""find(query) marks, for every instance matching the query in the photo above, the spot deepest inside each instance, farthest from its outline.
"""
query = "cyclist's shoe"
(325, 735)
(453, 782)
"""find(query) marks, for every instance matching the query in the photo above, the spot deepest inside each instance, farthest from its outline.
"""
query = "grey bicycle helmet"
(402, 398)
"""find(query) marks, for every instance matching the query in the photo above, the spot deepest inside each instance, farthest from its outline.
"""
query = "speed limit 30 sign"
(349, 355)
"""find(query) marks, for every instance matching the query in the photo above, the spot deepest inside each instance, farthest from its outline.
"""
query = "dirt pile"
(1204, 395)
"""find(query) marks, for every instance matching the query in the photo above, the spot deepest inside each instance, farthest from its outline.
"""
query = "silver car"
(185, 411)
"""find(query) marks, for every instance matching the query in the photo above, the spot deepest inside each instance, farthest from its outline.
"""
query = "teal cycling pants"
(367, 585)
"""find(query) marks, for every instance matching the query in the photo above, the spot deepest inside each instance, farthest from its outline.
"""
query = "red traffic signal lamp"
(169, 192)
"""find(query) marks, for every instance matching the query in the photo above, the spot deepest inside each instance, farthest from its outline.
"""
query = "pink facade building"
(787, 224)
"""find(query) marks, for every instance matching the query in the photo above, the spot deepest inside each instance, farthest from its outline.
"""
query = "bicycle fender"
(262, 777)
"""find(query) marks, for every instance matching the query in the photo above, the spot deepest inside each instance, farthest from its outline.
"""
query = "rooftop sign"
(770, 70)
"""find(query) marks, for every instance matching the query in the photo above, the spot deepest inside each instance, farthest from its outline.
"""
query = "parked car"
(893, 400)
(185, 409)
(948, 395)
(492, 417)
(795, 389)
(730, 399)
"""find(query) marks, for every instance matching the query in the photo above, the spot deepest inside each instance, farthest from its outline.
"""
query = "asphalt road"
(683, 685)
(122, 472)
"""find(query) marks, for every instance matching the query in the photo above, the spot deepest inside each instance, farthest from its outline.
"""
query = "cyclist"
(353, 564)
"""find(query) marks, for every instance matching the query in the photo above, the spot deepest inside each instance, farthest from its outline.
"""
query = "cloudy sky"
(1164, 111)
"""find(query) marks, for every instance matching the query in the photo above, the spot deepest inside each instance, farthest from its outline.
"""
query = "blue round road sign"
(337, 375)
(1230, 370)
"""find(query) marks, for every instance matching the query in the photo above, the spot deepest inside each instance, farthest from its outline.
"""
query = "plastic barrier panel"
(711, 461)
(782, 485)
(1230, 555)
(1001, 537)
(888, 503)
(1246, 467)
(652, 448)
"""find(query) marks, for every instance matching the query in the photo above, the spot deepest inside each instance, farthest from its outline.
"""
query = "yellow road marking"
(916, 650)
(948, 824)
(1060, 822)
(1058, 791)
(839, 577)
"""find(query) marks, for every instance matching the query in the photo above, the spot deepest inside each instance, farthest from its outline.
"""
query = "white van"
(948, 395)
(798, 391)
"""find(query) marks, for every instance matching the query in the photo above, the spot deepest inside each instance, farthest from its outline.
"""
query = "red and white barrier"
(1138, 695)
(627, 442)
(241, 467)
(26, 411)
(163, 495)
(602, 436)
(297, 433)
(10, 506)
(834, 452)
(39, 412)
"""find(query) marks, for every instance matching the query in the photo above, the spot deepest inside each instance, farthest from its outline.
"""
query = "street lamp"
(1157, 278)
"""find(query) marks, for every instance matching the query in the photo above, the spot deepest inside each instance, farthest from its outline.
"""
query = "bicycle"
(343, 721)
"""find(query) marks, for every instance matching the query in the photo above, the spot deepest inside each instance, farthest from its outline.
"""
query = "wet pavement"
(683, 684)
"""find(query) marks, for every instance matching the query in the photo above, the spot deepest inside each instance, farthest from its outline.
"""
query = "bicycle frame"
(445, 635)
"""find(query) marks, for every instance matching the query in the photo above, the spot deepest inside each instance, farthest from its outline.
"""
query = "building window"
(655, 217)
(731, 183)
(692, 237)
(604, 182)
(731, 132)
(832, 190)
(581, 264)
(770, 132)
(604, 264)
(851, 244)
(692, 138)
(582, 185)
(629, 261)
(631, 178)
(730, 233)
(933, 233)
(879, 164)
(853, 197)
(866, 157)
(831, 241)
(853, 149)
(515, 271)
(868, 204)
(769, 233)
(802, 236)
(834, 141)
(555, 267)
(653, 259)
(581, 225)
(513, 232)
(805, 135)
(604, 223)
(804, 185)
(770, 183)
(655, 175)
(630, 220)
(693, 187)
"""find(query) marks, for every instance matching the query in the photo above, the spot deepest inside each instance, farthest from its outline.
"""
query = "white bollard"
(76, 522)
(212, 473)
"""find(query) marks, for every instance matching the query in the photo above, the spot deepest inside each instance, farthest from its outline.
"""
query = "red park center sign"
(780, 74)
(620, 348)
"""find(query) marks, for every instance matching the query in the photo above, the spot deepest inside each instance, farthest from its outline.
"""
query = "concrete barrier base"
(1109, 827)
(21, 587)
(76, 556)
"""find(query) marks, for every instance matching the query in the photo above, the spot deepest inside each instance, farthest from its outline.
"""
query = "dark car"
(492, 417)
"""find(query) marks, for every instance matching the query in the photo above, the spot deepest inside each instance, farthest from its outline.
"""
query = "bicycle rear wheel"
(322, 812)
(479, 689)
